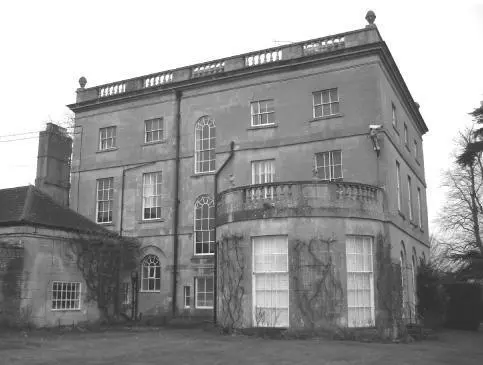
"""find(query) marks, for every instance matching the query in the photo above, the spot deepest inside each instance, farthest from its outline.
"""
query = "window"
(416, 152)
(152, 195)
(151, 274)
(414, 283)
(398, 186)
(153, 130)
(205, 141)
(107, 138)
(271, 281)
(263, 112)
(126, 293)
(204, 292)
(105, 192)
(406, 137)
(420, 210)
(204, 224)
(326, 102)
(394, 116)
(263, 172)
(360, 281)
(410, 198)
(187, 297)
(65, 296)
(403, 263)
(329, 165)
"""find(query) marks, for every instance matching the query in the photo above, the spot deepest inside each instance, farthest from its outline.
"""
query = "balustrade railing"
(263, 57)
(112, 89)
(158, 79)
(208, 69)
(323, 44)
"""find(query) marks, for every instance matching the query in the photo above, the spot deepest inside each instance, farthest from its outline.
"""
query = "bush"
(464, 307)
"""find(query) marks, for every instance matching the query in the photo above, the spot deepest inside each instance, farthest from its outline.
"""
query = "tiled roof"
(27, 205)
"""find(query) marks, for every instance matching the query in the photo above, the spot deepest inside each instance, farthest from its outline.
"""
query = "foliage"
(464, 306)
(317, 287)
(389, 288)
(102, 259)
(432, 297)
(231, 276)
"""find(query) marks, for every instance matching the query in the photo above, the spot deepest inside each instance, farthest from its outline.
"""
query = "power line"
(25, 133)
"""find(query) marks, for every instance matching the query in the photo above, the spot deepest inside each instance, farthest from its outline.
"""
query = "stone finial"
(82, 82)
(370, 17)
(417, 105)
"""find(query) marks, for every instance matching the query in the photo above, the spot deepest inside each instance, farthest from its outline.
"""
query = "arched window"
(204, 224)
(205, 142)
(413, 275)
(403, 263)
(151, 274)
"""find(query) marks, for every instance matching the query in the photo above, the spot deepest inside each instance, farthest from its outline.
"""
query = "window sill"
(265, 126)
(107, 150)
(154, 143)
(105, 224)
(203, 255)
(157, 220)
(211, 308)
(407, 147)
(201, 174)
(395, 129)
(66, 310)
(402, 215)
(417, 161)
(150, 291)
(315, 119)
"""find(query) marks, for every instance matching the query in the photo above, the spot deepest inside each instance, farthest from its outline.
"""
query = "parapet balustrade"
(252, 60)
(298, 198)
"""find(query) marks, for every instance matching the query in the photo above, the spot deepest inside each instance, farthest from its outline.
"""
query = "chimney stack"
(53, 163)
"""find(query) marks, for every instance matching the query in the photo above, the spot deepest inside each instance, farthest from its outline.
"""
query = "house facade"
(315, 145)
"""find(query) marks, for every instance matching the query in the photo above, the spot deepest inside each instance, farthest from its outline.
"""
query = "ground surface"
(195, 346)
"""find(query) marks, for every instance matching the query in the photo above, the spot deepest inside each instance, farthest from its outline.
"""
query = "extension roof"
(28, 205)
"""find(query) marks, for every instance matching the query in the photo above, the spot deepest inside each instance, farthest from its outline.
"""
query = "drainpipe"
(178, 95)
(215, 193)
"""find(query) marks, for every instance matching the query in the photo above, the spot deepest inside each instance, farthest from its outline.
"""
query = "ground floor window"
(270, 286)
(66, 296)
(204, 292)
(187, 297)
(360, 281)
(151, 274)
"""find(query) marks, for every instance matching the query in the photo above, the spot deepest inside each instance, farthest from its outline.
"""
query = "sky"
(47, 45)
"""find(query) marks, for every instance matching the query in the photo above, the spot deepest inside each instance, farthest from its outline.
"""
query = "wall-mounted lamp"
(374, 129)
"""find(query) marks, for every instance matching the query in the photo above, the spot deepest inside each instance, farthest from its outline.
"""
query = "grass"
(195, 346)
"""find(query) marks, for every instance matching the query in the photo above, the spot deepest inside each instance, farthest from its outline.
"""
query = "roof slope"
(28, 205)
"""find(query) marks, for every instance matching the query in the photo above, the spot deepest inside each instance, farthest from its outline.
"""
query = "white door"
(270, 281)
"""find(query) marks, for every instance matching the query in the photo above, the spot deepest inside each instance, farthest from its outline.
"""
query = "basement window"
(66, 295)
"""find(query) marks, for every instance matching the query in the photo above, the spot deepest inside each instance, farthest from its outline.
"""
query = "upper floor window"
(398, 185)
(263, 112)
(326, 102)
(205, 142)
(263, 172)
(410, 198)
(328, 165)
(152, 195)
(406, 137)
(105, 199)
(394, 116)
(107, 138)
(151, 274)
(204, 225)
(416, 152)
(420, 209)
(153, 130)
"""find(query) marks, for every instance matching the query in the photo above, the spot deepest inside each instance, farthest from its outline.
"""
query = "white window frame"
(126, 290)
(203, 135)
(366, 271)
(328, 163)
(107, 138)
(158, 130)
(199, 225)
(261, 108)
(152, 197)
(109, 200)
(410, 199)
(197, 291)
(331, 103)
(416, 152)
(151, 262)
(187, 296)
(265, 169)
(398, 185)
(406, 135)
(77, 291)
(255, 273)
(420, 210)
(404, 279)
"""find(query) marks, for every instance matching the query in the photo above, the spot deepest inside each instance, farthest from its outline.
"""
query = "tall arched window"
(151, 274)
(205, 142)
(204, 224)
(413, 274)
